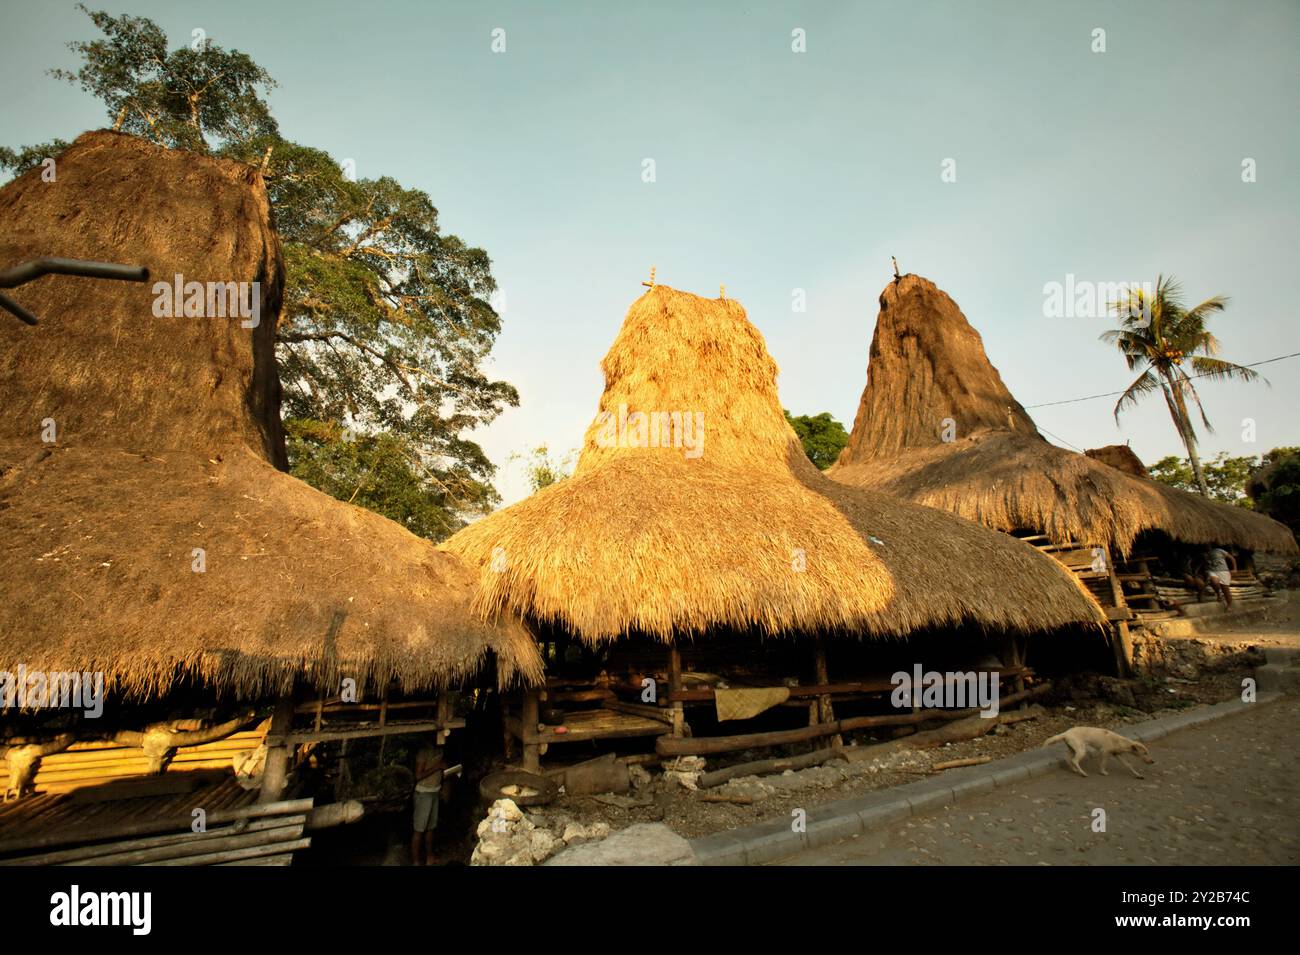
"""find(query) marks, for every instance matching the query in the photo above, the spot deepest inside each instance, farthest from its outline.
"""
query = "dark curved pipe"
(9, 305)
(21, 274)
(27, 271)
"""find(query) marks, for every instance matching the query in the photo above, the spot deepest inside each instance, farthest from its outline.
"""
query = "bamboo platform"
(69, 829)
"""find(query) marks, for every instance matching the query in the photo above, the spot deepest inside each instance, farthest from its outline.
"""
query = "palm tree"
(1157, 334)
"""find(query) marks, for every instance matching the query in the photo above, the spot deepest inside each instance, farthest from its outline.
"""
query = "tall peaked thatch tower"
(927, 368)
(102, 365)
(937, 426)
(693, 507)
(148, 531)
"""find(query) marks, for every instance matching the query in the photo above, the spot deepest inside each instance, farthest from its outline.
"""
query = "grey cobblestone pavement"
(1225, 793)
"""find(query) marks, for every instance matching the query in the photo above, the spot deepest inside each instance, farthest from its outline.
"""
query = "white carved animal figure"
(161, 740)
(25, 759)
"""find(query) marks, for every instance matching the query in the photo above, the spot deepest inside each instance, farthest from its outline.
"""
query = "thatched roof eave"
(1011, 482)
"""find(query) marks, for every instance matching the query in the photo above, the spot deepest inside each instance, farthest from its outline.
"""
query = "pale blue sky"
(778, 170)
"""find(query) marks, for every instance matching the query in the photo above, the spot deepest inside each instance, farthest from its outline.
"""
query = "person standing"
(429, 767)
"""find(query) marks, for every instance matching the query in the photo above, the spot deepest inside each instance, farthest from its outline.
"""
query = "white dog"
(1085, 739)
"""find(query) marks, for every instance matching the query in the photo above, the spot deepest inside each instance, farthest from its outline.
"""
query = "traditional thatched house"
(149, 531)
(693, 511)
(937, 426)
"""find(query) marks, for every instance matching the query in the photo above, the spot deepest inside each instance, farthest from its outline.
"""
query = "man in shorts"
(429, 768)
(1218, 574)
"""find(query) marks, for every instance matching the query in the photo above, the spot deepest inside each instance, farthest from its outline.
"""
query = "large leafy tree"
(1225, 476)
(1160, 337)
(822, 437)
(184, 98)
(1275, 488)
(375, 470)
(386, 320)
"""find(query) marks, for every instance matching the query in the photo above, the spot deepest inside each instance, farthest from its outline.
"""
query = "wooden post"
(825, 712)
(275, 774)
(509, 737)
(531, 715)
(676, 707)
(1123, 644)
(444, 716)
(1147, 586)
(1011, 657)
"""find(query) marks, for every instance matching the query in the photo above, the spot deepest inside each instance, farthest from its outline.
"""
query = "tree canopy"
(1269, 483)
(184, 98)
(1275, 489)
(1225, 476)
(822, 437)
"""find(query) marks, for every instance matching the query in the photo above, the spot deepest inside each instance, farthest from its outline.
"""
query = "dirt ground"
(1210, 669)
(1280, 628)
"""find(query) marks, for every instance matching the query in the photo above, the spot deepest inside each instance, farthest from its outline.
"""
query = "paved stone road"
(1226, 793)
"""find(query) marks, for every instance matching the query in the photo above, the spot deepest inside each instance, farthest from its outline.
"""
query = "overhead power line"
(1112, 394)
(1059, 438)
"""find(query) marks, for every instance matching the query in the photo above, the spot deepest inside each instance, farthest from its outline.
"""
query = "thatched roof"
(928, 374)
(169, 440)
(1121, 457)
(748, 534)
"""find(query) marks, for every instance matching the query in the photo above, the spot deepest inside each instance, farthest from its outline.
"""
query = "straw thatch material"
(748, 535)
(1121, 458)
(927, 368)
(99, 364)
(927, 364)
(168, 437)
